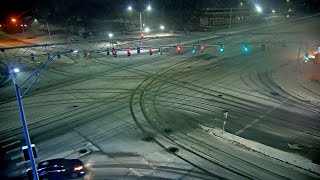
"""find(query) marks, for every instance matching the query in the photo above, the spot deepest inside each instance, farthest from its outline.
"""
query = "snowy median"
(292, 159)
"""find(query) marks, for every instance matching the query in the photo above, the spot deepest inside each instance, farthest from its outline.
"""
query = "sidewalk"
(292, 159)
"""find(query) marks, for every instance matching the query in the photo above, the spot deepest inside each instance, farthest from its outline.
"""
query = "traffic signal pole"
(21, 110)
(25, 129)
(23, 121)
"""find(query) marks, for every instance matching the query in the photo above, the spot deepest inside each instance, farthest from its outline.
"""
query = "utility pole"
(230, 19)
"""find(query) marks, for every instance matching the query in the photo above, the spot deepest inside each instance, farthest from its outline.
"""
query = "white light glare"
(16, 70)
(129, 8)
(110, 35)
(146, 29)
(149, 8)
(258, 8)
(161, 27)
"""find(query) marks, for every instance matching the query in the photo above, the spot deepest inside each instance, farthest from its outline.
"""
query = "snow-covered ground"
(292, 159)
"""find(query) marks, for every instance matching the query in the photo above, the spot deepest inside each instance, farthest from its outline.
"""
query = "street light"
(162, 28)
(110, 36)
(140, 15)
(258, 8)
(14, 20)
(146, 30)
(16, 70)
(47, 24)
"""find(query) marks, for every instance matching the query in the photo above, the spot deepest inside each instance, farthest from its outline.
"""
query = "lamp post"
(140, 15)
(14, 20)
(162, 28)
(110, 36)
(47, 24)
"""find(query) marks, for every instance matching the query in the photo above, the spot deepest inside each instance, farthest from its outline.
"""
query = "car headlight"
(78, 168)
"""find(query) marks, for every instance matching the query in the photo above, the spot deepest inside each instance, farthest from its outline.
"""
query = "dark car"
(61, 169)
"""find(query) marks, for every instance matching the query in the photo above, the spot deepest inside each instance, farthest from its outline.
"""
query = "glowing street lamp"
(15, 70)
(258, 8)
(273, 11)
(14, 20)
(149, 8)
(110, 36)
(129, 8)
(146, 30)
(162, 28)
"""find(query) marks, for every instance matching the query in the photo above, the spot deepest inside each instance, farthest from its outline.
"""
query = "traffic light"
(138, 50)
(194, 49)
(108, 51)
(114, 52)
(201, 48)
(245, 48)
(128, 53)
(142, 35)
(222, 48)
(32, 57)
(58, 56)
(160, 51)
(87, 54)
(178, 49)
(306, 57)
(150, 51)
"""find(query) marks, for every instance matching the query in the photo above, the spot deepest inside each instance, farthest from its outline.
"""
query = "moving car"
(61, 169)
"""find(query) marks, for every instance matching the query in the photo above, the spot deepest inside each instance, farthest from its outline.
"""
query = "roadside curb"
(294, 160)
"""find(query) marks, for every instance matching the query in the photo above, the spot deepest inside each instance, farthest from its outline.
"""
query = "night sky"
(95, 8)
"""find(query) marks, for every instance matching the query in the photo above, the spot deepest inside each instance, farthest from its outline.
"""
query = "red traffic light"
(142, 35)
(202, 48)
(128, 52)
(150, 51)
(178, 49)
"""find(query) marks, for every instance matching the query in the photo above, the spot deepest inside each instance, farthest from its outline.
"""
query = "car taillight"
(78, 168)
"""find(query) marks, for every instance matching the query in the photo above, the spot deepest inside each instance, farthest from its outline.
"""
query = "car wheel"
(74, 175)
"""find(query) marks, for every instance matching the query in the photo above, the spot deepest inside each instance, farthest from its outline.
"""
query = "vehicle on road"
(61, 169)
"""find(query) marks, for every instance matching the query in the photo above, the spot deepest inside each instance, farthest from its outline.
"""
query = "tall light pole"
(140, 15)
(230, 18)
(110, 36)
(23, 119)
(47, 24)
(14, 20)
(162, 28)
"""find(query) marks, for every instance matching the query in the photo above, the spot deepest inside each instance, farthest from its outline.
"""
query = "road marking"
(11, 144)
(13, 150)
(5, 140)
(17, 157)
(247, 126)
(20, 163)
(258, 119)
